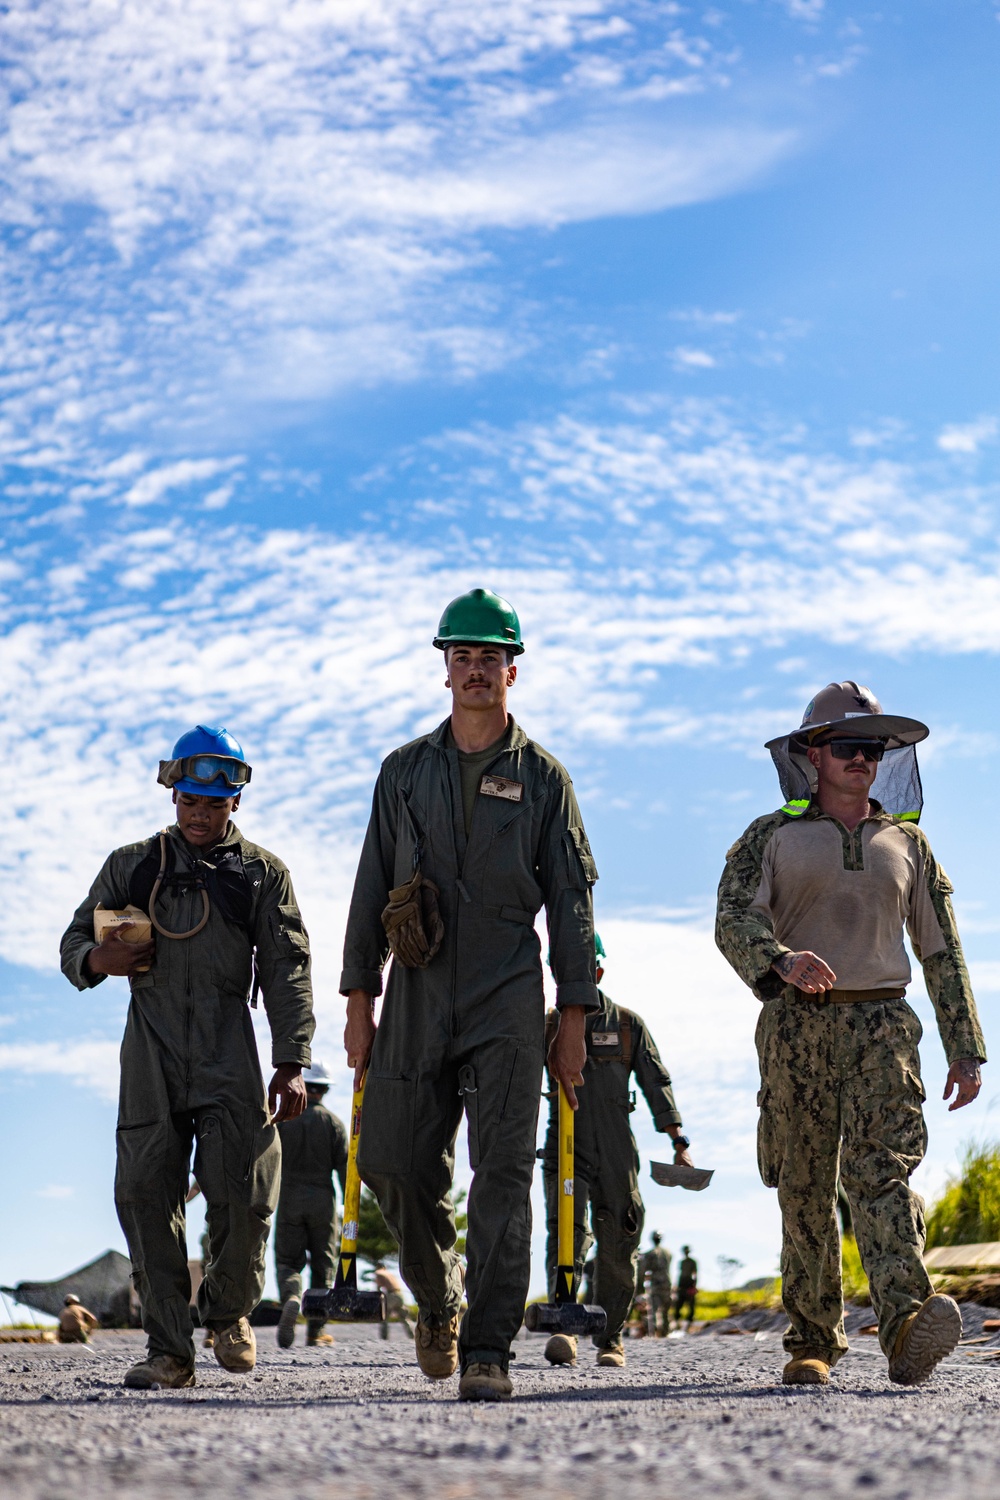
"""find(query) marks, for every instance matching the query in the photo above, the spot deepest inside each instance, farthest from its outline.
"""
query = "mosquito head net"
(840, 706)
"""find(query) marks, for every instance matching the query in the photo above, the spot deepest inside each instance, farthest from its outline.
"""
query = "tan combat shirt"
(848, 896)
(805, 883)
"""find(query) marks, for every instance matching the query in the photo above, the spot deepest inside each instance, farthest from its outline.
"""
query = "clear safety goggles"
(205, 769)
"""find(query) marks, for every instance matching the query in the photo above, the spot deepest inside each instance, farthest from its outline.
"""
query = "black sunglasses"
(848, 749)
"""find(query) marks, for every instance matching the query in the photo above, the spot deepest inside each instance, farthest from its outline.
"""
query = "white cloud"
(968, 437)
(156, 483)
(693, 359)
(55, 1190)
(92, 1065)
(805, 10)
(985, 976)
(283, 201)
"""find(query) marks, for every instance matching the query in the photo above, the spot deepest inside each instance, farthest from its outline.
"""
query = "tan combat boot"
(437, 1348)
(925, 1339)
(484, 1382)
(612, 1355)
(236, 1348)
(161, 1370)
(808, 1367)
(286, 1323)
(561, 1349)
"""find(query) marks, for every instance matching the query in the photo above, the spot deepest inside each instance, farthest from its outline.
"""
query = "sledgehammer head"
(564, 1317)
(344, 1304)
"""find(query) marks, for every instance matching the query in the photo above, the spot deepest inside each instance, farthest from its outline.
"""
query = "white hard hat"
(317, 1075)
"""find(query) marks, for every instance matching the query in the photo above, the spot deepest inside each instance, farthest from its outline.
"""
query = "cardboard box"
(142, 931)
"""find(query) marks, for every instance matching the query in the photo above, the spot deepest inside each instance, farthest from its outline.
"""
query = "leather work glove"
(412, 922)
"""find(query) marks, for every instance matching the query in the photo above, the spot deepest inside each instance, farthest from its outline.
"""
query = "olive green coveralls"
(313, 1147)
(190, 1075)
(606, 1159)
(468, 1029)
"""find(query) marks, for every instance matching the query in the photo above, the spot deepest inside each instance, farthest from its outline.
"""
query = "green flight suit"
(606, 1158)
(313, 1147)
(468, 1028)
(190, 1074)
(687, 1289)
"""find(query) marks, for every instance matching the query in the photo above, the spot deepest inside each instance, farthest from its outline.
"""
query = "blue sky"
(676, 324)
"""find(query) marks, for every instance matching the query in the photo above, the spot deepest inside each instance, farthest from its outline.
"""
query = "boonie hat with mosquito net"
(847, 710)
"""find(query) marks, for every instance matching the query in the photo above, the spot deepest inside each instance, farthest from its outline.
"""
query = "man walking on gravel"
(313, 1148)
(619, 1049)
(812, 908)
(687, 1287)
(655, 1270)
(224, 912)
(474, 828)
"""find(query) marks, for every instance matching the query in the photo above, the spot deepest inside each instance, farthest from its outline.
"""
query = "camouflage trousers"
(841, 1095)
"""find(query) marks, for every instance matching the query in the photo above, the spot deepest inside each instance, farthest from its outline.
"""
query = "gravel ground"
(687, 1418)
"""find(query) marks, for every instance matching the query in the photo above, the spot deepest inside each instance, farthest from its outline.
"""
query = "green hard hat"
(479, 618)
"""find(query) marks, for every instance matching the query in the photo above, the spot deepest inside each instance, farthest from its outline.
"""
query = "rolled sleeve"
(283, 965)
(78, 939)
(743, 931)
(945, 972)
(653, 1079)
(567, 874)
(366, 946)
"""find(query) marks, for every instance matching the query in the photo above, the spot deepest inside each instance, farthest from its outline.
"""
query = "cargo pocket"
(768, 1147)
(469, 1090)
(581, 868)
(210, 1159)
(633, 1219)
(264, 1167)
(141, 1162)
(487, 1114)
(385, 1144)
(289, 933)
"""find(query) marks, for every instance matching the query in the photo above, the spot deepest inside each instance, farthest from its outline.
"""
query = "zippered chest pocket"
(509, 874)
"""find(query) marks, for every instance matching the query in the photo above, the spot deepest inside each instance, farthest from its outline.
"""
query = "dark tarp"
(102, 1286)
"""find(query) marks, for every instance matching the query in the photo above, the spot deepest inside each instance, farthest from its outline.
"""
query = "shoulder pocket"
(582, 869)
(287, 929)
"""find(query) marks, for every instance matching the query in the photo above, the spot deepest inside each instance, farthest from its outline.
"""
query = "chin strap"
(206, 908)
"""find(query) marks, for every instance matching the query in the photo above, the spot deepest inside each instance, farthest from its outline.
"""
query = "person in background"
(75, 1322)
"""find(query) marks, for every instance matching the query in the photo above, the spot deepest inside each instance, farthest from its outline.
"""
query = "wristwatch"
(681, 1142)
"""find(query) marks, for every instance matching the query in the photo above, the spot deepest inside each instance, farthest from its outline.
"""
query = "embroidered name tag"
(604, 1038)
(498, 786)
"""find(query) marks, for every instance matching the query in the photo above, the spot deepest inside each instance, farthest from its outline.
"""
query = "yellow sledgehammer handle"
(352, 1189)
(565, 1276)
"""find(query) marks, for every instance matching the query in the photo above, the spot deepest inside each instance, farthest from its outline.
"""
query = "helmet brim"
(893, 728)
(443, 641)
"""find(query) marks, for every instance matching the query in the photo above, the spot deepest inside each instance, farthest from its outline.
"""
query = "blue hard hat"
(206, 763)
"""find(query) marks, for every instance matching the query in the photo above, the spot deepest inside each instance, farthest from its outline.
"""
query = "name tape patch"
(499, 786)
(604, 1038)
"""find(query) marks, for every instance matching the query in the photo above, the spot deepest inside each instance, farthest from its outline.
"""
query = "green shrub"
(968, 1211)
(852, 1273)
